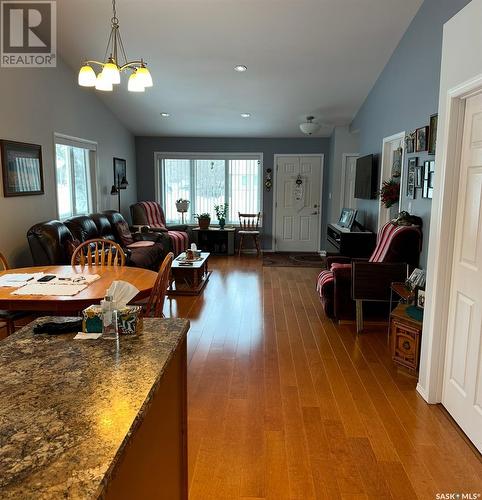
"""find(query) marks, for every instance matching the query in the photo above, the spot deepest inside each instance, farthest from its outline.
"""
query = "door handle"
(314, 213)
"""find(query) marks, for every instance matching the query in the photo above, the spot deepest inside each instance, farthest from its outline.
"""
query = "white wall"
(461, 63)
(342, 141)
(34, 104)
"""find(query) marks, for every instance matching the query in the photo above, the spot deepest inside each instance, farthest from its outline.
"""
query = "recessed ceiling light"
(240, 68)
(165, 115)
(245, 115)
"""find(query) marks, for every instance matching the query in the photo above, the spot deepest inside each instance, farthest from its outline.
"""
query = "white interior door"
(462, 391)
(390, 146)
(297, 205)
(347, 199)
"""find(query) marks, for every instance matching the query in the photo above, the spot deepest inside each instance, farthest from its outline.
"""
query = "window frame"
(91, 148)
(159, 180)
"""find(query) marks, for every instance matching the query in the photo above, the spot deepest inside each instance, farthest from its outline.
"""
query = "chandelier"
(111, 68)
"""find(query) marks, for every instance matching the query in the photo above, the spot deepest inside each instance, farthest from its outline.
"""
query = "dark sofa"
(52, 242)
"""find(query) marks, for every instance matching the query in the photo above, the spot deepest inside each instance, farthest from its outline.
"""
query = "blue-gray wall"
(147, 146)
(405, 95)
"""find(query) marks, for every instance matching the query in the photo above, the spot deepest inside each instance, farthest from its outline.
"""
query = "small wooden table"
(142, 279)
(191, 279)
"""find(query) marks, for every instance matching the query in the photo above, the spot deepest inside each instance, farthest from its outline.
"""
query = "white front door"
(348, 182)
(462, 391)
(297, 205)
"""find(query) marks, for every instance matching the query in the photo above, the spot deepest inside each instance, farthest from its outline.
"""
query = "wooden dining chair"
(249, 226)
(155, 304)
(8, 317)
(98, 252)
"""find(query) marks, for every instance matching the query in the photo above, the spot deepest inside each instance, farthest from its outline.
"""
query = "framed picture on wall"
(120, 171)
(410, 143)
(419, 176)
(421, 138)
(412, 166)
(432, 137)
(428, 178)
(21, 168)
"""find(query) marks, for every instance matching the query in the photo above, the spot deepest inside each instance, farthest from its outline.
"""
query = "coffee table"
(189, 279)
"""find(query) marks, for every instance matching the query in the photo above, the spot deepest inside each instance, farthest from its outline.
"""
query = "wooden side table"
(405, 335)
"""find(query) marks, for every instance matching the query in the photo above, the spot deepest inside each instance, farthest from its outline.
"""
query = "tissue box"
(129, 320)
(92, 319)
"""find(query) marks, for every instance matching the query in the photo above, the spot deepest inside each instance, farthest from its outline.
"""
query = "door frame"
(344, 158)
(442, 228)
(275, 192)
(382, 211)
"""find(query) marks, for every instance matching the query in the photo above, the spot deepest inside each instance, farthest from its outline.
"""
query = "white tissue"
(122, 293)
(193, 246)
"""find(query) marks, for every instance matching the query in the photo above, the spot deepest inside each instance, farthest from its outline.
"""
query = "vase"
(222, 223)
(204, 223)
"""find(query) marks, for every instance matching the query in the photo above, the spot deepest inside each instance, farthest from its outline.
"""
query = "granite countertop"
(68, 407)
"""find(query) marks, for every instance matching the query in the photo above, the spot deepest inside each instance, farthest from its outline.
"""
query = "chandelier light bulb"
(111, 73)
(103, 84)
(135, 85)
(144, 76)
(87, 76)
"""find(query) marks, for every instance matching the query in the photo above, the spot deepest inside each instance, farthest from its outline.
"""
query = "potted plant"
(203, 220)
(221, 212)
(182, 205)
(390, 193)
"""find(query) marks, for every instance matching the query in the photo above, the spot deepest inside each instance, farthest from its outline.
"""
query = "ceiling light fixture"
(165, 115)
(245, 115)
(111, 69)
(309, 127)
(240, 68)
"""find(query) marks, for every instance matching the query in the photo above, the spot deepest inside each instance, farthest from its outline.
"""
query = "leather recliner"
(52, 242)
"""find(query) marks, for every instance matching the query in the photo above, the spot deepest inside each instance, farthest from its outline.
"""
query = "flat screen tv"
(366, 178)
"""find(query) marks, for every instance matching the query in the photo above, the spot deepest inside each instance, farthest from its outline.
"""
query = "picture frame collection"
(421, 177)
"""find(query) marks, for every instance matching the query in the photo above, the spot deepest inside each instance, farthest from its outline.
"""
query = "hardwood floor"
(283, 404)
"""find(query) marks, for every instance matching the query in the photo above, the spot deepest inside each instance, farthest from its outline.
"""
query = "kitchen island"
(85, 419)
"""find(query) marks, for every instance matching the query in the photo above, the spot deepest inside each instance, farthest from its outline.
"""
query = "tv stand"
(350, 243)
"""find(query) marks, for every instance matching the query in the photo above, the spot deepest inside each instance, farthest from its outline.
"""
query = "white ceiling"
(304, 57)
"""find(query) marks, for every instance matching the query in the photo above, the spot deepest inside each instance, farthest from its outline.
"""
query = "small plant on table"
(221, 213)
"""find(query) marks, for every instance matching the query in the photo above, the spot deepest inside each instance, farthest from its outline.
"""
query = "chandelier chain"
(115, 20)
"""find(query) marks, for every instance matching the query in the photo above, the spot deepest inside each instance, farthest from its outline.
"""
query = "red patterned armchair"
(347, 282)
(150, 213)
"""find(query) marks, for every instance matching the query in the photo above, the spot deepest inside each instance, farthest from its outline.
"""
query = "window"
(210, 180)
(75, 173)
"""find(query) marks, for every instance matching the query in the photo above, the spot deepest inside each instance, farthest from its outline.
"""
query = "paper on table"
(87, 336)
(18, 279)
(48, 289)
(74, 279)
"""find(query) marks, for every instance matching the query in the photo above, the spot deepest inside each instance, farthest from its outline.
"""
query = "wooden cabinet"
(350, 243)
(405, 333)
(214, 240)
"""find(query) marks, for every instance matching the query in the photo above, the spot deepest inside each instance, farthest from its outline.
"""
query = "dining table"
(142, 279)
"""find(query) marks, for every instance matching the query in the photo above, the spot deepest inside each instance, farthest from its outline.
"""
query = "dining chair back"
(249, 226)
(155, 303)
(3, 263)
(98, 252)
(8, 318)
